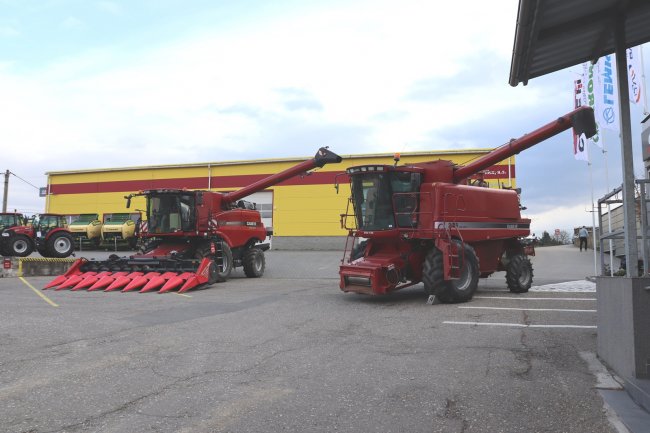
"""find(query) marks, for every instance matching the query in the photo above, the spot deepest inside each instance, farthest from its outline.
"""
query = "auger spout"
(581, 119)
(323, 156)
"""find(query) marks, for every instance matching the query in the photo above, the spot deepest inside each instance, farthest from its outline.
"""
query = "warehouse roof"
(555, 34)
(269, 160)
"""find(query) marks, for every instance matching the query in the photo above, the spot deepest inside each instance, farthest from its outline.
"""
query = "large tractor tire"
(432, 272)
(20, 246)
(218, 274)
(519, 274)
(59, 245)
(254, 263)
(461, 289)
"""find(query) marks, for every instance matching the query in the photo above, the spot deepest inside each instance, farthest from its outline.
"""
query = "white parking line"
(518, 325)
(519, 298)
(530, 309)
(568, 286)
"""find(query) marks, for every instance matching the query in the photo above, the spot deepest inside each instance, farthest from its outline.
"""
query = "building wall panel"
(302, 206)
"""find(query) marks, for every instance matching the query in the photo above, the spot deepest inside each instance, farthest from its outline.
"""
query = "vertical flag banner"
(589, 83)
(634, 73)
(579, 142)
(606, 94)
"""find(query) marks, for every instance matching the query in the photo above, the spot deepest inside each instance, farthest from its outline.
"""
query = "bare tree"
(564, 237)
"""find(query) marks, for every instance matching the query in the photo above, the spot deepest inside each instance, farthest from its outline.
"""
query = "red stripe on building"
(221, 182)
(218, 182)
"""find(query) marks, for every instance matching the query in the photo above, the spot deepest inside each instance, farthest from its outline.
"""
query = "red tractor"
(192, 238)
(47, 233)
(427, 223)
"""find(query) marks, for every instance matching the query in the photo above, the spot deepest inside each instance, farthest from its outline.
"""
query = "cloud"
(9, 32)
(110, 7)
(72, 23)
(298, 99)
(560, 217)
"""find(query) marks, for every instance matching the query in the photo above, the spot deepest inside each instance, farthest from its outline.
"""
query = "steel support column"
(627, 157)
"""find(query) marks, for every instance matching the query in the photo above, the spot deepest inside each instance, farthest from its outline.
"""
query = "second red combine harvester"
(193, 238)
(425, 223)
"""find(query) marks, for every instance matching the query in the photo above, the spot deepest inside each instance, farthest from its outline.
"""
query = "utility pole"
(4, 197)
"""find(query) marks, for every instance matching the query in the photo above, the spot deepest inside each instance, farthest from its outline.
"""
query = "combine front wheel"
(432, 272)
(223, 272)
(20, 246)
(460, 289)
(519, 274)
(254, 263)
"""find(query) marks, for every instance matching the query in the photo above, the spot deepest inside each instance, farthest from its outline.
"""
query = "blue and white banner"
(606, 94)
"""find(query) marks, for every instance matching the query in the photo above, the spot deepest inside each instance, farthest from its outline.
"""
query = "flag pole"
(609, 210)
(593, 217)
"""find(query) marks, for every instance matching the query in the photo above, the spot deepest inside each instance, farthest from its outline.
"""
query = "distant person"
(583, 234)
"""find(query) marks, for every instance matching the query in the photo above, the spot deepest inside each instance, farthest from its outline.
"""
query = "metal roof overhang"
(556, 34)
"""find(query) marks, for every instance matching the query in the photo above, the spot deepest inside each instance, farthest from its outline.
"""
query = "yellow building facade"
(302, 206)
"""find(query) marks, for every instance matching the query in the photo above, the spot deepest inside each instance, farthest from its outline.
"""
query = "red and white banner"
(580, 147)
(635, 74)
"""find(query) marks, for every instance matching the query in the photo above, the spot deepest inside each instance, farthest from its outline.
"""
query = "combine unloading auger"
(192, 239)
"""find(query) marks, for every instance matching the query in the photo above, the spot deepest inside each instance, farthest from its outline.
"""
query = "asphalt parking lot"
(290, 352)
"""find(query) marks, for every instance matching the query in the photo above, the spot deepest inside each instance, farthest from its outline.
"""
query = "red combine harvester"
(192, 238)
(426, 223)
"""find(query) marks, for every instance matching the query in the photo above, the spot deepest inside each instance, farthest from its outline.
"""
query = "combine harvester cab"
(192, 239)
(86, 227)
(428, 222)
(120, 228)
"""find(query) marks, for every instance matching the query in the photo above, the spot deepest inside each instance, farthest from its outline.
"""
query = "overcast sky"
(88, 84)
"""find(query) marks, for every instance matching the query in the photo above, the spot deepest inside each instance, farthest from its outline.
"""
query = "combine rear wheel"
(60, 244)
(519, 274)
(222, 272)
(254, 263)
(457, 290)
(20, 246)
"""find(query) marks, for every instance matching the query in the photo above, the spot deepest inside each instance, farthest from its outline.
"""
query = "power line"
(31, 184)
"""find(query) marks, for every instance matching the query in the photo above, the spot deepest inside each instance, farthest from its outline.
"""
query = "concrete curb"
(33, 266)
